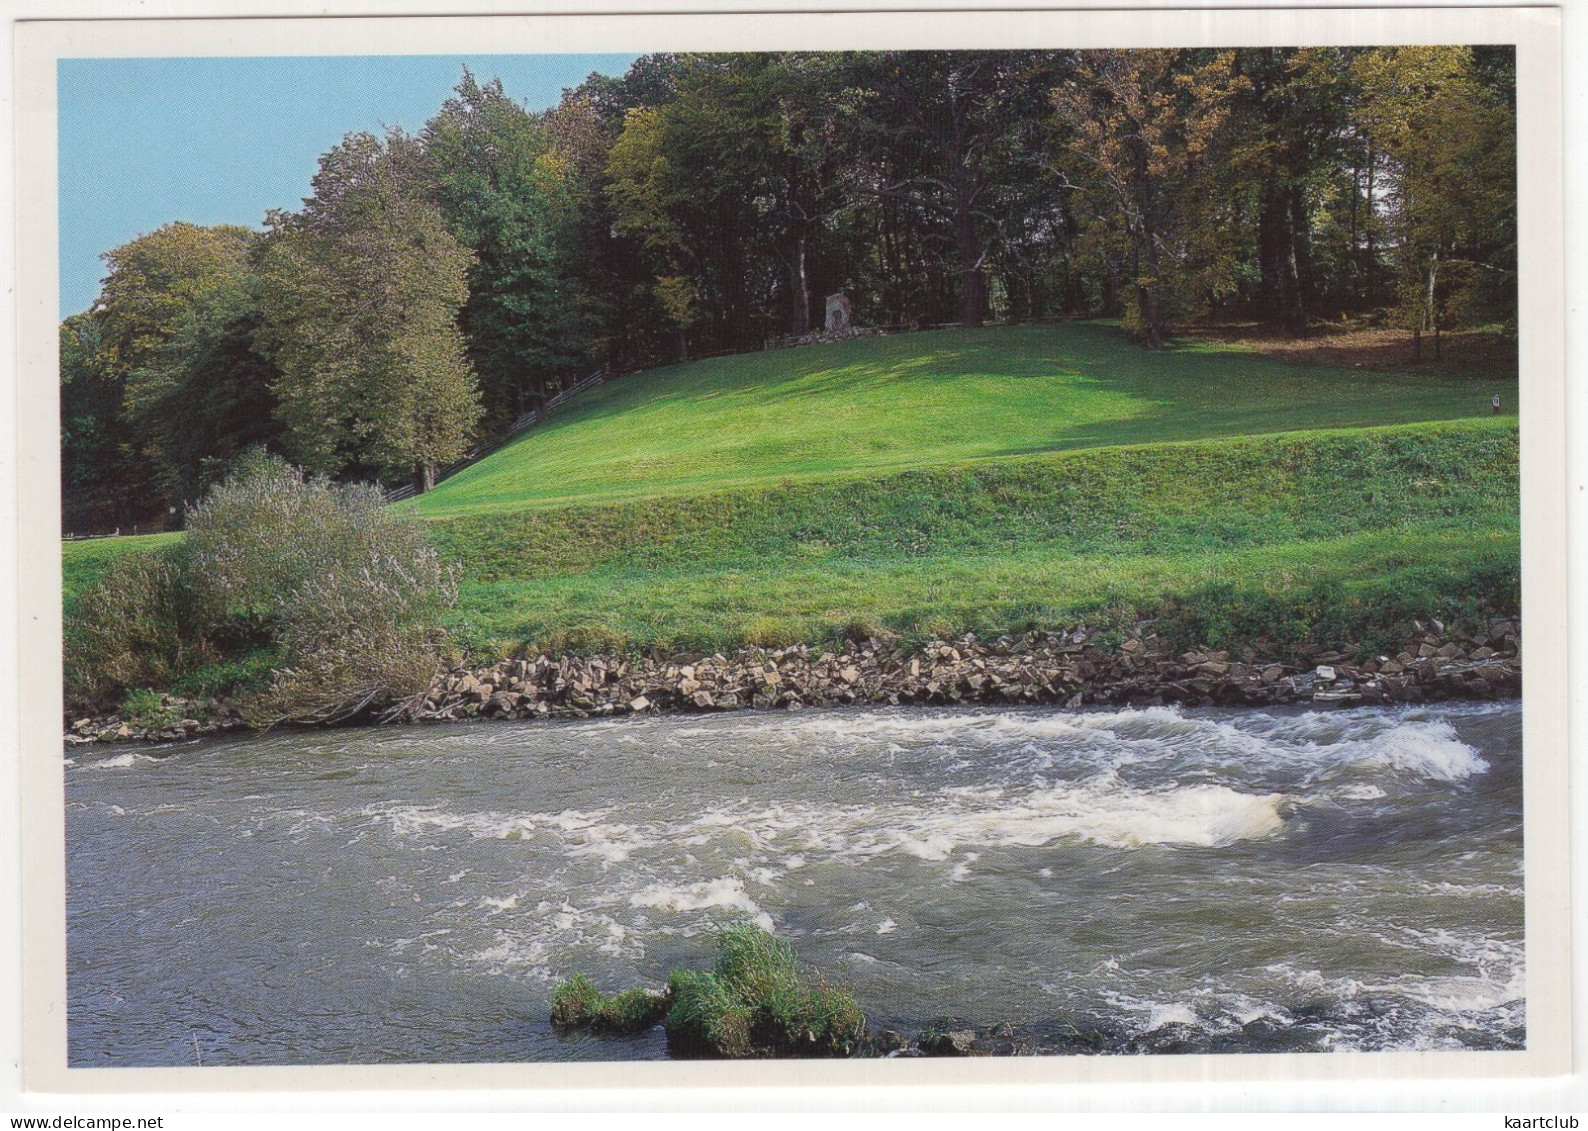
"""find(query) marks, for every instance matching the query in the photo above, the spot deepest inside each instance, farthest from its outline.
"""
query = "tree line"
(437, 284)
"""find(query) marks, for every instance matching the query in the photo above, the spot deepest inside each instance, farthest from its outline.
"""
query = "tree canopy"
(361, 293)
(435, 286)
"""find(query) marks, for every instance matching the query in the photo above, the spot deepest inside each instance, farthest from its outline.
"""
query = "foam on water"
(119, 762)
(1404, 744)
(1348, 876)
(1495, 971)
(724, 892)
(1200, 816)
(933, 829)
(1430, 750)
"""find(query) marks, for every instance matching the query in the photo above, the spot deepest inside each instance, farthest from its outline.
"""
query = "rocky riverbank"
(1067, 669)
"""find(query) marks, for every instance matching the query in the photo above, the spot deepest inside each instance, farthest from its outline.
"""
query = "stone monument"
(838, 314)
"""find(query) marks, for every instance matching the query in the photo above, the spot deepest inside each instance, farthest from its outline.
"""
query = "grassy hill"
(876, 405)
(982, 480)
(83, 562)
(1285, 536)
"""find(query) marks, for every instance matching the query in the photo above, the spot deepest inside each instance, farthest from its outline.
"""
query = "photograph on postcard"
(800, 554)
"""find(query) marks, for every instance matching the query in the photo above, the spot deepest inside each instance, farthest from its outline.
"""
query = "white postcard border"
(1541, 200)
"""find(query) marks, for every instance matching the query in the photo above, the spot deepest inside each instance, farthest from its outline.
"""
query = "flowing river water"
(1159, 880)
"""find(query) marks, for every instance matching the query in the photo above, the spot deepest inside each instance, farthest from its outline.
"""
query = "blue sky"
(146, 141)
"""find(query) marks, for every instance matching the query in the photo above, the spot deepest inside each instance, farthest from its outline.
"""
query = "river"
(1200, 880)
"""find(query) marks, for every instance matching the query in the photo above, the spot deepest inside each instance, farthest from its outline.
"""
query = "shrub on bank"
(344, 592)
(134, 627)
(147, 710)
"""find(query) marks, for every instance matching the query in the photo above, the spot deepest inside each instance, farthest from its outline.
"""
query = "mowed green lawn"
(882, 404)
(82, 562)
(1347, 534)
(994, 480)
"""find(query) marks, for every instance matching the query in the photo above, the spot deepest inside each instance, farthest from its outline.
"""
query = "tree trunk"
(1280, 301)
(799, 284)
(736, 294)
(1109, 285)
(1147, 297)
(973, 288)
(424, 478)
(1300, 258)
(1369, 265)
(1433, 309)
(1356, 192)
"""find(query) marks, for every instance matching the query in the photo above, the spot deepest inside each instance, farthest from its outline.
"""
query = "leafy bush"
(134, 627)
(147, 710)
(345, 593)
(268, 531)
(350, 591)
(244, 674)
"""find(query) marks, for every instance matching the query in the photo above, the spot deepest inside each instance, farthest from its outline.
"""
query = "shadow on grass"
(877, 404)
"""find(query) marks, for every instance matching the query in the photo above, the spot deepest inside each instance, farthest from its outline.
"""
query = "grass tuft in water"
(577, 1004)
(755, 1003)
(758, 1003)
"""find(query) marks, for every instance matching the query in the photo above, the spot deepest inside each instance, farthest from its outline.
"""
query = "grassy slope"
(1420, 519)
(83, 562)
(936, 483)
(884, 404)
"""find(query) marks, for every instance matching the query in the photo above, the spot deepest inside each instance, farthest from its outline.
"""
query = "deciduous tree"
(361, 292)
(947, 129)
(506, 196)
(1448, 140)
(204, 397)
(1145, 128)
(112, 457)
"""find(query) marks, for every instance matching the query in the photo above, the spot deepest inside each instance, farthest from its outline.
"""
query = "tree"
(946, 128)
(111, 460)
(804, 107)
(693, 180)
(1145, 127)
(1447, 135)
(204, 397)
(157, 278)
(506, 195)
(90, 408)
(614, 276)
(361, 293)
(1290, 115)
